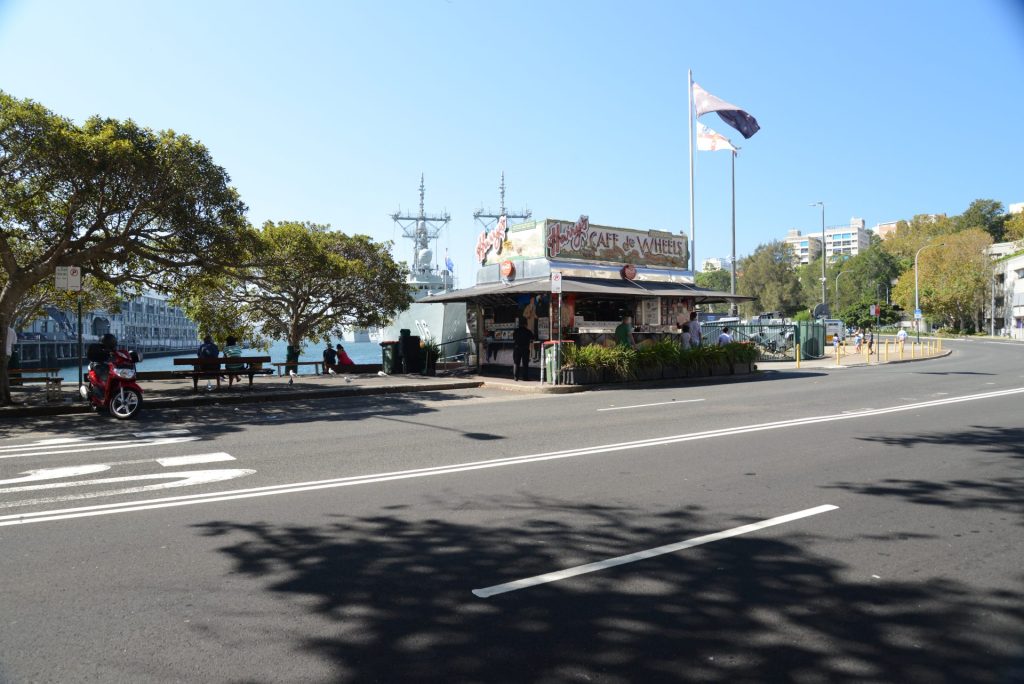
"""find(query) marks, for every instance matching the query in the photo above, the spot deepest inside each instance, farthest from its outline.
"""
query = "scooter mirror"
(136, 356)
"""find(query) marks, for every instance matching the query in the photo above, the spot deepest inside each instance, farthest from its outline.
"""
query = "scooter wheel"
(125, 403)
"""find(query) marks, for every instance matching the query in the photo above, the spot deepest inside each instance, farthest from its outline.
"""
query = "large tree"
(769, 277)
(718, 280)
(130, 206)
(1014, 227)
(986, 215)
(953, 279)
(299, 282)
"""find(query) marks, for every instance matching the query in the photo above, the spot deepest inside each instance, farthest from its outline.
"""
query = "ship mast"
(422, 229)
(487, 219)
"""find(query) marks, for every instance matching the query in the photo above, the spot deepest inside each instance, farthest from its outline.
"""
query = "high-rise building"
(806, 248)
(885, 230)
(716, 264)
(842, 242)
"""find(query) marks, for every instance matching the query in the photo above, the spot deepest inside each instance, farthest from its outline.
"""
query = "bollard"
(839, 353)
(798, 354)
(887, 351)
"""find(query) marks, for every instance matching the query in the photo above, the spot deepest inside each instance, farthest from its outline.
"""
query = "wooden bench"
(215, 368)
(48, 376)
(281, 365)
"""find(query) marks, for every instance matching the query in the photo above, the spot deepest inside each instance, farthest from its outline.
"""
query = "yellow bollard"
(887, 351)
(798, 354)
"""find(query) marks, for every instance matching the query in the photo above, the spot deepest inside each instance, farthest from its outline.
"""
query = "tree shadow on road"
(396, 589)
(1002, 493)
(215, 419)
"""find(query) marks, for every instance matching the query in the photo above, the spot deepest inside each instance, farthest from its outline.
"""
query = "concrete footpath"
(31, 400)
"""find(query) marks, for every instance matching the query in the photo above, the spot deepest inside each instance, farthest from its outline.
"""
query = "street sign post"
(70, 278)
(917, 315)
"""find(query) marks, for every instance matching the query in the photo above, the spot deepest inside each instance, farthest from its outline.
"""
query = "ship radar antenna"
(423, 229)
(488, 219)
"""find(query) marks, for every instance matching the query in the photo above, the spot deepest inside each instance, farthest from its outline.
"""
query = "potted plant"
(667, 352)
(581, 365)
(431, 351)
(648, 363)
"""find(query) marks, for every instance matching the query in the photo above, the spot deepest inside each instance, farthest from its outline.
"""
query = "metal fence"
(774, 341)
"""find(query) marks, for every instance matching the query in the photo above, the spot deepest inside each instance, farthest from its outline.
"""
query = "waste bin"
(552, 361)
(410, 359)
(389, 356)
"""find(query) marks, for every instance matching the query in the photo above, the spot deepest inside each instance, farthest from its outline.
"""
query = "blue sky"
(329, 111)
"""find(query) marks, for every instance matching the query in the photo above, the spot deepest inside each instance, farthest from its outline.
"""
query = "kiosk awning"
(502, 293)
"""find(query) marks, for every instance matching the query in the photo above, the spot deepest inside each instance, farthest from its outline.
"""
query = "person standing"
(695, 339)
(869, 338)
(901, 339)
(687, 337)
(522, 339)
(624, 333)
(725, 338)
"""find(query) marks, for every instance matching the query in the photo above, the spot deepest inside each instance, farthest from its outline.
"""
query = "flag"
(711, 141)
(705, 102)
(448, 263)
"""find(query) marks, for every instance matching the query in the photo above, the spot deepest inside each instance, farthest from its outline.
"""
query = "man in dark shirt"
(522, 337)
(330, 358)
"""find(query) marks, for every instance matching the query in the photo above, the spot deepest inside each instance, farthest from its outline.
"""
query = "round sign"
(628, 272)
(507, 269)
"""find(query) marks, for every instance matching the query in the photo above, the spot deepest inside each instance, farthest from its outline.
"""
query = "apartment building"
(805, 248)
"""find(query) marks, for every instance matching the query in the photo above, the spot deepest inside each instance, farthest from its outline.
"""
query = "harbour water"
(359, 352)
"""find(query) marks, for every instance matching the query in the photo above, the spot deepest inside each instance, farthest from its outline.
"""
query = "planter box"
(649, 373)
(742, 368)
(581, 376)
(672, 372)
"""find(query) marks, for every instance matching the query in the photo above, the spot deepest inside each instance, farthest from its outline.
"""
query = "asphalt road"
(848, 525)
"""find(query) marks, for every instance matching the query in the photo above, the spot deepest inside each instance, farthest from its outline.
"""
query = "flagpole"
(689, 120)
(733, 230)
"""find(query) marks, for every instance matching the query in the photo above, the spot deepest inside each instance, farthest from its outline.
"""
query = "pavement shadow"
(214, 419)
(396, 590)
(993, 493)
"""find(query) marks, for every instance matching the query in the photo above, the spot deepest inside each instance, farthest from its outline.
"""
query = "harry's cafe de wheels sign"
(579, 241)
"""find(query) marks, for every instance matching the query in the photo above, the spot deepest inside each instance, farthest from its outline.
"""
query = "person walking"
(901, 339)
(687, 336)
(724, 338)
(522, 339)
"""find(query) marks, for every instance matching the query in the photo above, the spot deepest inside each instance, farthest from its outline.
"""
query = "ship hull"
(444, 323)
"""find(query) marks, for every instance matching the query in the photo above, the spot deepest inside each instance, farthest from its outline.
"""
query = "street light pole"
(823, 279)
(838, 275)
(917, 301)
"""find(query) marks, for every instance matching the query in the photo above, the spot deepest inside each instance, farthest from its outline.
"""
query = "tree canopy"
(718, 280)
(130, 206)
(768, 276)
(299, 282)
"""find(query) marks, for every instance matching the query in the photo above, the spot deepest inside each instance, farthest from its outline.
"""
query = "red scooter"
(112, 385)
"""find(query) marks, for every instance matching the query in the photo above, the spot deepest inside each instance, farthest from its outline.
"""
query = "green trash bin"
(389, 356)
(552, 362)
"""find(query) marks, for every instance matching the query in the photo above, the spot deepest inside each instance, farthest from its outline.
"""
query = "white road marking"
(167, 502)
(55, 473)
(184, 478)
(160, 433)
(649, 553)
(40, 449)
(660, 403)
(175, 461)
